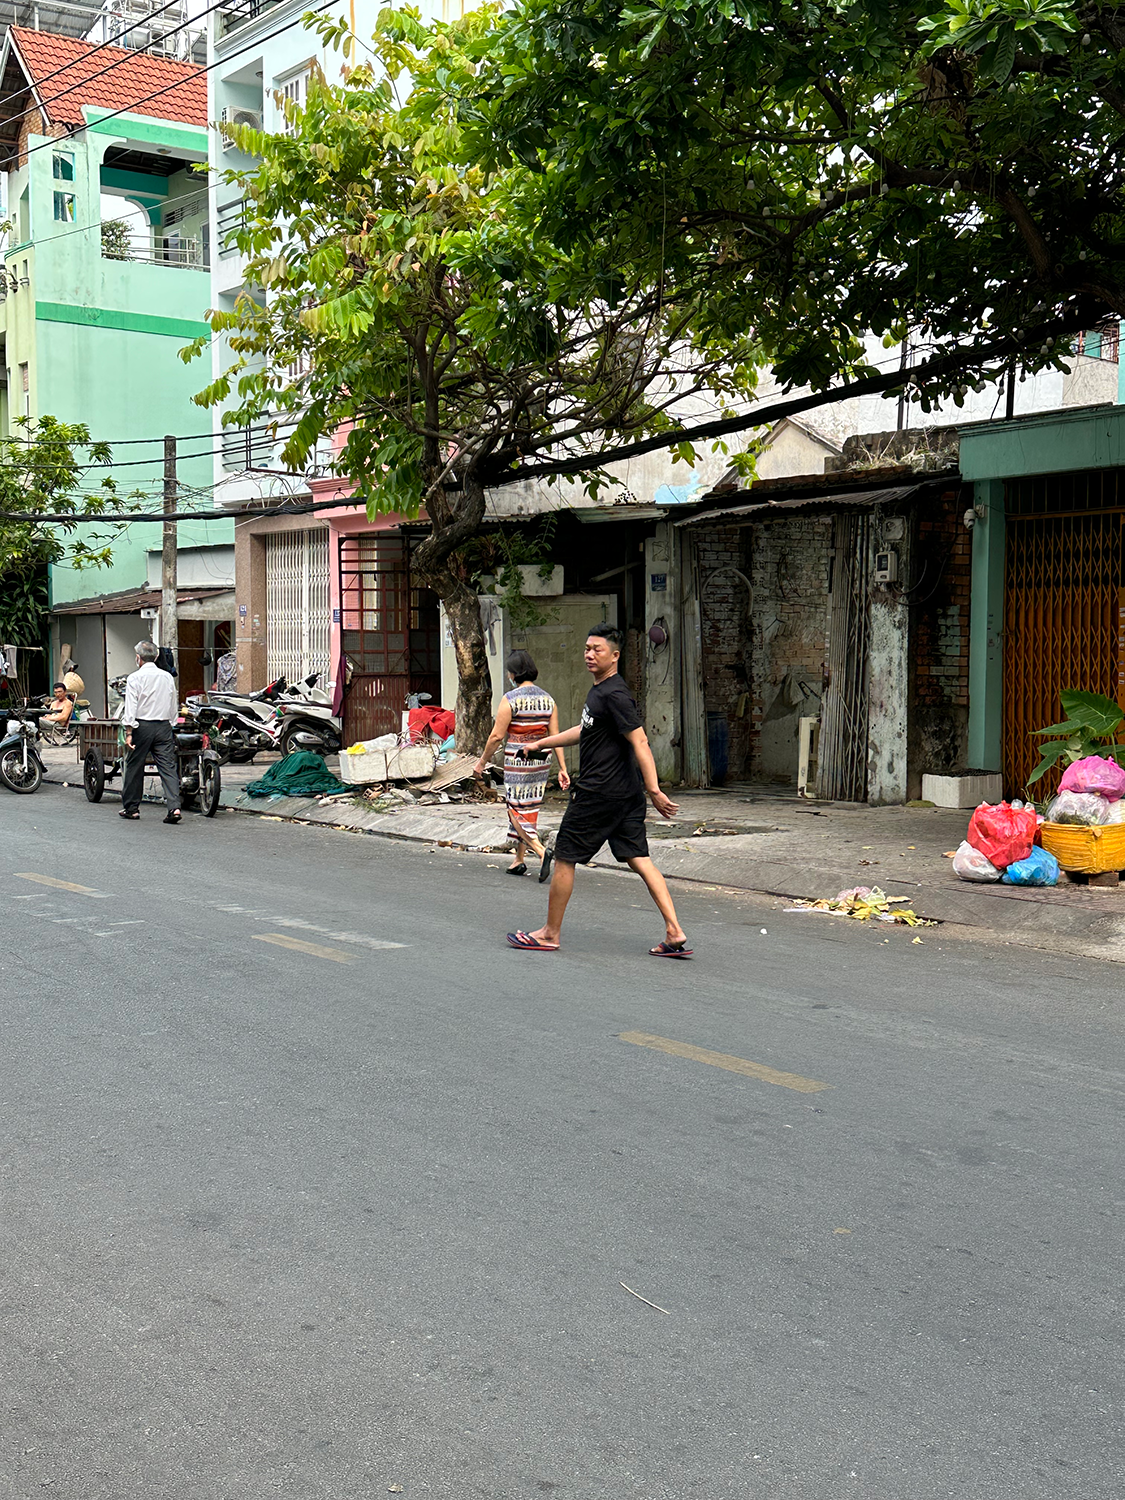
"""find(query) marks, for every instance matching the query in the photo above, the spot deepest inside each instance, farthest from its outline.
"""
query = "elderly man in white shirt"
(152, 706)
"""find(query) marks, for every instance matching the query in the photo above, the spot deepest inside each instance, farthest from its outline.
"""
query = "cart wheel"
(210, 785)
(93, 775)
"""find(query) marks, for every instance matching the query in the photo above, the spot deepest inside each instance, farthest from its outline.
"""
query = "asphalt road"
(328, 1220)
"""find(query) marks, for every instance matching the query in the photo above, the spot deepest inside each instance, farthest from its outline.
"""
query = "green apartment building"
(92, 320)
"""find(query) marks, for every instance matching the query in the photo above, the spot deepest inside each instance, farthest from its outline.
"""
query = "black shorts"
(590, 820)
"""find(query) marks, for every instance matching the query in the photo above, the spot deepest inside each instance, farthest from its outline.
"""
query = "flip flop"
(545, 867)
(671, 950)
(525, 941)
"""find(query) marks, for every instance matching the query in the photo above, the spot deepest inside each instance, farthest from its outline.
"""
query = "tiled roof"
(109, 78)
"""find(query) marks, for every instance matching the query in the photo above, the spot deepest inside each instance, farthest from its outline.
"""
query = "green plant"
(501, 555)
(116, 244)
(1090, 728)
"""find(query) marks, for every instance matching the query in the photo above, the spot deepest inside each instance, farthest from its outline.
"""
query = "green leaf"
(1095, 712)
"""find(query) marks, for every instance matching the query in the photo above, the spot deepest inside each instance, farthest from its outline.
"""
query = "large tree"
(407, 299)
(828, 170)
(42, 474)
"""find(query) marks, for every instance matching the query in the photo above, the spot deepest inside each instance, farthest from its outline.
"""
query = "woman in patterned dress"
(526, 713)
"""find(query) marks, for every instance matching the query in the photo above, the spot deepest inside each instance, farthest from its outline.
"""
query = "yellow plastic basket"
(1085, 851)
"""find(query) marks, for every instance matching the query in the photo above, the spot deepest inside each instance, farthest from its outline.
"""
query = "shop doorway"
(1064, 607)
(389, 634)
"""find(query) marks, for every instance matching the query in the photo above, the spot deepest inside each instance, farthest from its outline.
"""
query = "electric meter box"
(886, 566)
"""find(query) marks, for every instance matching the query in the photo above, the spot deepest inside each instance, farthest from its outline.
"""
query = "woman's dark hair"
(608, 633)
(521, 667)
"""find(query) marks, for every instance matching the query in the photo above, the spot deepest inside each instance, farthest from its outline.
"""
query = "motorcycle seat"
(189, 742)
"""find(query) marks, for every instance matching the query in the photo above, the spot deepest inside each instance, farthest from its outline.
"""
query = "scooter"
(21, 768)
(279, 716)
(308, 726)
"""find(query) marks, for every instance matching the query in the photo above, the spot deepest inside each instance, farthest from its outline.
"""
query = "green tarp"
(301, 774)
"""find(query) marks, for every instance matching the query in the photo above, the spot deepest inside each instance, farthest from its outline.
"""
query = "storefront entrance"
(389, 634)
(1064, 606)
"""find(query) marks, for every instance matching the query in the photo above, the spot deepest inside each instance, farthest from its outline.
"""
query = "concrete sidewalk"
(751, 839)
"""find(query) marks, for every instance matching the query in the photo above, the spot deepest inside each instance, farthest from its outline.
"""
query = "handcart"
(102, 752)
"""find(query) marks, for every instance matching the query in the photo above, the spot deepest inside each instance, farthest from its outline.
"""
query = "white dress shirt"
(150, 693)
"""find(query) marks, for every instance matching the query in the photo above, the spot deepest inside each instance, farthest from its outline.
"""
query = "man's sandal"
(529, 944)
(671, 950)
(124, 813)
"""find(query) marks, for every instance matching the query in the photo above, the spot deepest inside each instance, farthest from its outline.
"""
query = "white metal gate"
(297, 614)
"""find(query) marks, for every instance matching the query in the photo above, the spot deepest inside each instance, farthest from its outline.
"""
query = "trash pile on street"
(1011, 842)
(866, 904)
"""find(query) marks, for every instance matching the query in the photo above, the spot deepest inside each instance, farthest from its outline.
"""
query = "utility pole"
(169, 628)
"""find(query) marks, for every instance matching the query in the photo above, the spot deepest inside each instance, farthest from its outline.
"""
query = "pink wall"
(349, 520)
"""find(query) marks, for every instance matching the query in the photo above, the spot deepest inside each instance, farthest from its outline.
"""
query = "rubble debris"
(866, 904)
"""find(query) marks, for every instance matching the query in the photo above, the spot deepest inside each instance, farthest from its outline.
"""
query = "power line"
(129, 517)
(168, 88)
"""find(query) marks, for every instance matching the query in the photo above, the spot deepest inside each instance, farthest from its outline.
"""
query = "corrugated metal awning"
(131, 601)
(798, 505)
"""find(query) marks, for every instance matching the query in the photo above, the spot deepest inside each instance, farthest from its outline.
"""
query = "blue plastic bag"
(1039, 868)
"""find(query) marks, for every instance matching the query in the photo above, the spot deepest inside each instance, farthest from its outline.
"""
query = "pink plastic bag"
(1094, 774)
(1003, 834)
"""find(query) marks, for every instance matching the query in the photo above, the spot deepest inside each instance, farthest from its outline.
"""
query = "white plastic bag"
(970, 864)
(1088, 809)
(1116, 812)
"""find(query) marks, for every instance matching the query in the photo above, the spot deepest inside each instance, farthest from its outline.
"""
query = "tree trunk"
(432, 567)
(474, 681)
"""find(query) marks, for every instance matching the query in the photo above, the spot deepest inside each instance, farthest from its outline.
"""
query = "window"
(64, 208)
(292, 91)
(62, 166)
(25, 389)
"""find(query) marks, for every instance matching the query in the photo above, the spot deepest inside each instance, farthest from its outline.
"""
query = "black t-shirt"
(607, 765)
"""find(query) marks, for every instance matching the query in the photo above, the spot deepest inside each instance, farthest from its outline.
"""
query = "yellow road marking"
(62, 885)
(312, 948)
(724, 1060)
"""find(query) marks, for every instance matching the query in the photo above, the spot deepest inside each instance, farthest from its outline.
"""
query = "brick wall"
(789, 638)
(724, 618)
(940, 591)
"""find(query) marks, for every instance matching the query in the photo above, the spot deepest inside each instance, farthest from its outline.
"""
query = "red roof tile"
(127, 80)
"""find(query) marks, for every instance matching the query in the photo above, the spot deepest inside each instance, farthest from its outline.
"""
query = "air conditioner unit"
(231, 116)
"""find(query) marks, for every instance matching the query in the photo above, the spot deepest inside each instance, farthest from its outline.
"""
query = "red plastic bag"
(1096, 773)
(1002, 833)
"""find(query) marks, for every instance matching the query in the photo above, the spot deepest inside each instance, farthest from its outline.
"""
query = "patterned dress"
(525, 781)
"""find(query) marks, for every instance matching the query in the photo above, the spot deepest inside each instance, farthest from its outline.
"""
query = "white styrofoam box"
(963, 791)
(410, 763)
(535, 587)
(362, 770)
(407, 763)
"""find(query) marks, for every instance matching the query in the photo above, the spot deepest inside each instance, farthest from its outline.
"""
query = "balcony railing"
(119, 243)
(237, 14)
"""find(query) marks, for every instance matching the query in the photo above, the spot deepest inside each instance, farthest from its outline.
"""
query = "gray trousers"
(152, 740)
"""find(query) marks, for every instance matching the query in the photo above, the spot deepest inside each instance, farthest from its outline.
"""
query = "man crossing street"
(616, 771)
(152, 706)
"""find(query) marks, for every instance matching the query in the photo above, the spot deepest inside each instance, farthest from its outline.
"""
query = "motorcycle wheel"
(287, 744)
(15, 776)
(210, 785)
(93, 775)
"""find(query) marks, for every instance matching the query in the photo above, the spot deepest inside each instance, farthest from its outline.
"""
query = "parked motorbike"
(280, 716)
(238, 724)
(21, 768)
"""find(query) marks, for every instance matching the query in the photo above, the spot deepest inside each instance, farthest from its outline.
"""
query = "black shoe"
(520, 869)
(545, 867)
(174, 817)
